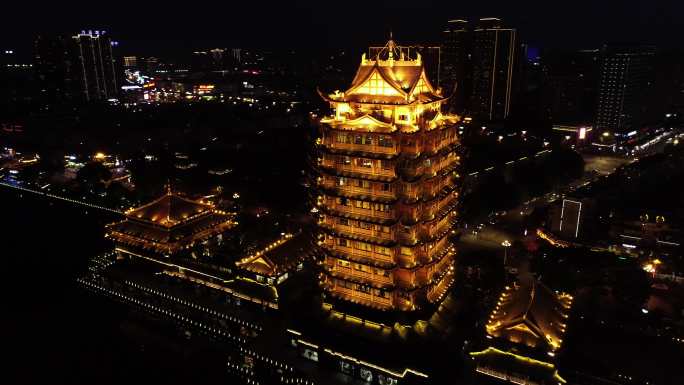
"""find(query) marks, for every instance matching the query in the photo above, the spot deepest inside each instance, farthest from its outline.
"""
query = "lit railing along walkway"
(101, 262)
(286, 372)
(53, 196)
(162, 311)
(194, 306)
(209, 329)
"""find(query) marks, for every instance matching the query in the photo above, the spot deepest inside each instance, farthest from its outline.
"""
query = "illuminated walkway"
(210, 322)
(195, 306)
(170, 313)
(48, 195)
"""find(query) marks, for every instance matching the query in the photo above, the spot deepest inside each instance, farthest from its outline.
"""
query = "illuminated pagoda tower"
(170, 226)
(387, 185)
(525, 332)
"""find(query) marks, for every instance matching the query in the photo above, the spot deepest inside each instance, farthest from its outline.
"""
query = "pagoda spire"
(391, 46)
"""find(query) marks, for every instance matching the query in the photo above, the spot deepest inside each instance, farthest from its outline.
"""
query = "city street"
(603, 164)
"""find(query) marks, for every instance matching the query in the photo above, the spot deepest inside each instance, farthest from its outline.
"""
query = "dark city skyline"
(159, 28)
(342, 193)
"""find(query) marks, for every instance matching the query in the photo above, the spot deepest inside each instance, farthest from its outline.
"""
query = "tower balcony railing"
(374, 190)
(362, 297)
(430, 253)
(437, 227)
(409, 217)
(351, 272)
(410, 172)
(407, 237)
(415, 255)
(370, 171)
(413, 171)
(361, 254)
(432, 189)
(333, 222)
(435, 185)
(411, 148)
(438, 289)
(372, 148)
(353, 210)
(440, 165)
(411, 191)
(436, 145)
(407, 261)
(443, 264)
(436, 206)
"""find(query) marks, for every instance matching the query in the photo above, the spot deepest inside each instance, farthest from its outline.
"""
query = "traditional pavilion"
(170, 226)
(274, 264)
(387, 185)
(526, 329)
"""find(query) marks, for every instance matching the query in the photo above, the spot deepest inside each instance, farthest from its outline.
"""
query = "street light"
(506, 244)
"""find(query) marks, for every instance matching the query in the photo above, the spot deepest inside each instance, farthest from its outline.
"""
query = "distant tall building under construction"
(82, 67)
(97, 65)
(455, 71)
(479, 65)
(493, 59)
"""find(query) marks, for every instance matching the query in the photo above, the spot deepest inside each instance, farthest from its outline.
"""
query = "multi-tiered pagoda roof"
(394, 75)
(387, 185)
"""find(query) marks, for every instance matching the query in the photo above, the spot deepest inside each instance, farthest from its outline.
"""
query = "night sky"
(160, 27)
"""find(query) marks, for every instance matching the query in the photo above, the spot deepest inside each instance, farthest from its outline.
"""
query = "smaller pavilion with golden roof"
(526, 329)
(169, 226)
(274, 263)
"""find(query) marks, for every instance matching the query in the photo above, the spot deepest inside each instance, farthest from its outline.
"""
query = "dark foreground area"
(55, 332)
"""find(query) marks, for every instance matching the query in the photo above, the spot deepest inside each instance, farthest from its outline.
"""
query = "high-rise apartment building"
(387, 185)
(626, 77)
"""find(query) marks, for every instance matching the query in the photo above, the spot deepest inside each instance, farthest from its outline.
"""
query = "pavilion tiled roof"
(531, 314)
(281, 257)
(169, 224)
(169, 210)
